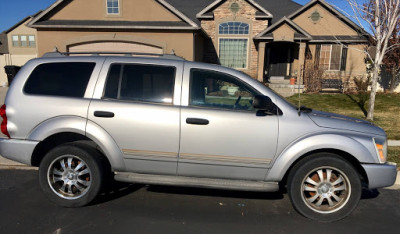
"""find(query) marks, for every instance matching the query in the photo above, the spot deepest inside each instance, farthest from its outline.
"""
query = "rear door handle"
(104, 114)
(197, 121)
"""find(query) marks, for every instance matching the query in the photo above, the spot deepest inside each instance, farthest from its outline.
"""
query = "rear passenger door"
(139, 108)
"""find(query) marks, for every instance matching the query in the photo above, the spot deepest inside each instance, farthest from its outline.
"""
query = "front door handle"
(197, 121)
(104, 114)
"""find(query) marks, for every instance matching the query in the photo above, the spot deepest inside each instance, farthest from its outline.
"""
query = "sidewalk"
(393, 143)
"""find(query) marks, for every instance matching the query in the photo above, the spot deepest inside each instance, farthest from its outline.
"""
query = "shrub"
(312, 78)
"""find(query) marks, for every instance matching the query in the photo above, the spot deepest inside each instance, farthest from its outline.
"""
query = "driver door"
(221, 134)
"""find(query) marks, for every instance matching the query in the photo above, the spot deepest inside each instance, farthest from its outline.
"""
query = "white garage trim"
(123, 47)
(112, 38)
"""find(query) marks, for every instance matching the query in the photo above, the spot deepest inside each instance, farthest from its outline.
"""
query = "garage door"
(122, 47)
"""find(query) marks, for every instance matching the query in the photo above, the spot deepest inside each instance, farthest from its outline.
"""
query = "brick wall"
(222, 14)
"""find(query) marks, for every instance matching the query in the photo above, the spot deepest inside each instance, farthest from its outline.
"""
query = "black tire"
(66, 181)
(324, 200)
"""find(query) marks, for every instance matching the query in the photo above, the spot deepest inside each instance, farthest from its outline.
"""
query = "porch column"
(261, 59)
(302, 60)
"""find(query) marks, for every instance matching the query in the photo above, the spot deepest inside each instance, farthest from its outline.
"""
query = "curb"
(393, 143)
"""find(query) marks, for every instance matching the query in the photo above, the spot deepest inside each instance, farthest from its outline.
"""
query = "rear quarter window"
(60, 79)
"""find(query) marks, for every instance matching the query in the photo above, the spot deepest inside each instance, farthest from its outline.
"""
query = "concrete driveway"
(3, 92)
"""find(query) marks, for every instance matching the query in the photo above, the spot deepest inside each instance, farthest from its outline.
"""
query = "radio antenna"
(298, 84)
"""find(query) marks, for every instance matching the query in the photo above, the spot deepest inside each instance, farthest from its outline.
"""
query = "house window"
(315, 16)
(112, 7)
(330, 57)
(32, 41)
(234, 28)
(24, 41)
(15, 41)
(233, 52)
(234, 7)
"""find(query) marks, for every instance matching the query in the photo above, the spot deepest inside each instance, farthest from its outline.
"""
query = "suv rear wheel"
(324, 187)
(72, 174)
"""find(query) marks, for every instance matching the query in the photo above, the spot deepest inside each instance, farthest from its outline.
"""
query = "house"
(270, 40)
(3, 51)
(19, 44)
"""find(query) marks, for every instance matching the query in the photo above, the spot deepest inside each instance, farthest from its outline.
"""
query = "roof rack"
(57, 53)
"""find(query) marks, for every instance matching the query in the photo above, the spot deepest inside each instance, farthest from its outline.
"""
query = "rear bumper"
(17, 150)
(380, 175)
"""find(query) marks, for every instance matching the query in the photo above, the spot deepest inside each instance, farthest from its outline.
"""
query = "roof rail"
(57, 53)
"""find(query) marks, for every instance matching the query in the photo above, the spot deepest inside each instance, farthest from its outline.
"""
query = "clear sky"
(11, 12)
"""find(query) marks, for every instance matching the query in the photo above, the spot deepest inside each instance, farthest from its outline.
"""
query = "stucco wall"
(130, 10)
(3, 77)
(245, 14)
(26, 31)
(181, 43)
(356, 60)
(284, 33)
(329, 24)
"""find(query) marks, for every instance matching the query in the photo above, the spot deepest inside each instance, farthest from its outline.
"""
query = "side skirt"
(259, 186)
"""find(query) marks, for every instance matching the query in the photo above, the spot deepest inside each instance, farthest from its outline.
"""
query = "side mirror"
(264, 103)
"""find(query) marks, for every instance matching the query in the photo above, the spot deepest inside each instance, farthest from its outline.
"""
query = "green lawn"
(387, 108)
(394, 155)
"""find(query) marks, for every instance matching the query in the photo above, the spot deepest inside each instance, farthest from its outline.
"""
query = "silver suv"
(164, 120)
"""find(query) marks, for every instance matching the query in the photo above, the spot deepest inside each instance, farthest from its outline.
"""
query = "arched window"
(232, 28)
(233, 49)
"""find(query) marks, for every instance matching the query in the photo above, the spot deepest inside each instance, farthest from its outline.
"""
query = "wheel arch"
(49, 134)
(346, 147)
(342, 154)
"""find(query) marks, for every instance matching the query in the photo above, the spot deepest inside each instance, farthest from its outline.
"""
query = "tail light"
(4, 122)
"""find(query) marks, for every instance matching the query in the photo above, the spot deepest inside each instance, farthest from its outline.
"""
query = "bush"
(312, 78)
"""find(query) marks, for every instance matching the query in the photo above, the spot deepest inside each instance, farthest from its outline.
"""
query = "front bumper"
(380, 175)
(17, 150)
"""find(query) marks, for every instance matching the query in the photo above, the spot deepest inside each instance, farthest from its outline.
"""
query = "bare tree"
(379, 17)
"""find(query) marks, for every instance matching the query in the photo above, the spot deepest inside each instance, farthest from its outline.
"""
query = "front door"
(139, 111)
(280, 57)
(221, 134)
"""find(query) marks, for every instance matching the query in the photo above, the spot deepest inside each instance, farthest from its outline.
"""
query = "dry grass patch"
(394, 155)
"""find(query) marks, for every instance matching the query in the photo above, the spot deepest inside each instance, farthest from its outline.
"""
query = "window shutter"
(317, 54)
(344, 59)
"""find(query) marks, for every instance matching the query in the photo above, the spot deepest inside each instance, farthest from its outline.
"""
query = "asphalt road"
(161, 209)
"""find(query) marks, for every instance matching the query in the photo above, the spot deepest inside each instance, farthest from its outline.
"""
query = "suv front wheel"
(324, 187)
(71, 175)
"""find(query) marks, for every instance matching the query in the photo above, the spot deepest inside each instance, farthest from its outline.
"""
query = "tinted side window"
(146, 83)
(60, 79)
(219, 90)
